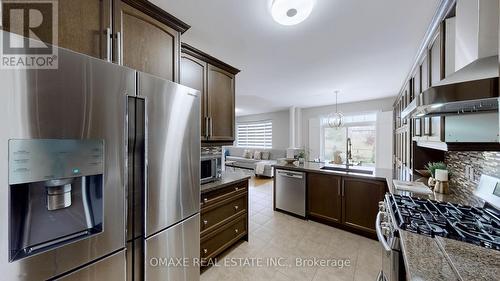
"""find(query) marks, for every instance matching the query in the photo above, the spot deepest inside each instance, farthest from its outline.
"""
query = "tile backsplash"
(483, 162)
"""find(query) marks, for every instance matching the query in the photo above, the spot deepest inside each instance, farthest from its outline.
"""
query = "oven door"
(390, 256)
(208, 170)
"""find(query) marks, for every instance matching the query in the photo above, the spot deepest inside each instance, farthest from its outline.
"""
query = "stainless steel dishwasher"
(291, 192)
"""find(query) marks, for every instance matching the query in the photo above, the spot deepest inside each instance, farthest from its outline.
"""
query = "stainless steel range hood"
(472, 89)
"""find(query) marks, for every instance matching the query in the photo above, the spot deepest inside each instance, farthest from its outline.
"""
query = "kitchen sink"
(347, 170)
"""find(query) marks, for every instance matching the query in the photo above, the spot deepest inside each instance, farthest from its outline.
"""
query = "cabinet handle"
(210, 121)
(236, 188)
(205, 200)
(205, 222)
(236, 208)
(109, 37)
(236, 231)
(119, 48)
(338, 191)
(206, 128)
(343, 188)
(205, 251)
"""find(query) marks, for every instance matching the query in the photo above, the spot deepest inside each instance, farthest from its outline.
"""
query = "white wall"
(311, 127)
(384, 140)
(308, 128)
(281, 124)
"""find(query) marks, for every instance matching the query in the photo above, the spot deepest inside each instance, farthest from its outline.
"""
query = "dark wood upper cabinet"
(135, 33)
(144, 41)
(424, 70)
(85, 27)
(436, 60)
(216, 82)
(194, 75)
(221, 107)
(360, 204)
(324, 199)
(417, 82)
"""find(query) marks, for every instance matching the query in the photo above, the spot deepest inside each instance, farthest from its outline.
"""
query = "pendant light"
(336, 120)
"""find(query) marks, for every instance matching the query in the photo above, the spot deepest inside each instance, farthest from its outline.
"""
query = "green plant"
(302, 154)
(433, 166)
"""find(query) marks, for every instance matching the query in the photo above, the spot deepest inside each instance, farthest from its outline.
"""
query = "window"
(361, 130)
(255, 134)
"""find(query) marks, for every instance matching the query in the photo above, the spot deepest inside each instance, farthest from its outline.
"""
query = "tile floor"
(276, 235)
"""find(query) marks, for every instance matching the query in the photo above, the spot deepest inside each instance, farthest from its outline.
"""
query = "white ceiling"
(364, 48)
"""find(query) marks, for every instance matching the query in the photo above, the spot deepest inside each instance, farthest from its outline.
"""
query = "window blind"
(255, 134)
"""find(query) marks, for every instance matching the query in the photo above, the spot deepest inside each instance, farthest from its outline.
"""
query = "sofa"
(236, 155)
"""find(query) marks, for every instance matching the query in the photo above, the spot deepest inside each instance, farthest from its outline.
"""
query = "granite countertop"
(428, 258)
(228, 178)
(378, 174)
(439, 258)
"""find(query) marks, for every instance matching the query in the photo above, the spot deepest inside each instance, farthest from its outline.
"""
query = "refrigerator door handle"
(119, 47)
(146, 167)
(108, 44)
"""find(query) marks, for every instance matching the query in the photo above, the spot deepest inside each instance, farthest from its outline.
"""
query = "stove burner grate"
(432, 218)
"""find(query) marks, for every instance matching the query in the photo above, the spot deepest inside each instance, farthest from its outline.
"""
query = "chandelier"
(336, 120)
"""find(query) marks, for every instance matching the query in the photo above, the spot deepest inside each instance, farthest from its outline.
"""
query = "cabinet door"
(425, 73)
(324, 197)
(436, 61)
(417, 82)
(82, 26)
(194, 75)
(220, 104)
(145, 43)
(360, 202)
(436, 128)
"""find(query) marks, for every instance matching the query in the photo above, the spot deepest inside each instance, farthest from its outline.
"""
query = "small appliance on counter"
(211, 164)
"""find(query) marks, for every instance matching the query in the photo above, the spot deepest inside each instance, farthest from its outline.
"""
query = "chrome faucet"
(349, 152)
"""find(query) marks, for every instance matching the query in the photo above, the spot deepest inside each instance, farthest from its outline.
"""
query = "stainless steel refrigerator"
(100, 170)
(163, 241)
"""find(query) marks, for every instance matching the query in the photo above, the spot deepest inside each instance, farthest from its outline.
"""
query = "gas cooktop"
(480, 226)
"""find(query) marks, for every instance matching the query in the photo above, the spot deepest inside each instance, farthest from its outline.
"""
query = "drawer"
(223, 193)
(223, 211)
(216, 242)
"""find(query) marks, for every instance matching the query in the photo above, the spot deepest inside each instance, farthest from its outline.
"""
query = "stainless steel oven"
(387, 234)
(211, 167)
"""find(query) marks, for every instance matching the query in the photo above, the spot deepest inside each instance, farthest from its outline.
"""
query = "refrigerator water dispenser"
(56, 193)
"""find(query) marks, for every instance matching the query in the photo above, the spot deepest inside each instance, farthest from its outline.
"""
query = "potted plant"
(432, 167)
(302, 156)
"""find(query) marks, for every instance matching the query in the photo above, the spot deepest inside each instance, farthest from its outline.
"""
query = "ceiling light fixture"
(291, 12)
(336, 120)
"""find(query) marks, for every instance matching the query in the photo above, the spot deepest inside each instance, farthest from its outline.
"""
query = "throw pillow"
(247, 154)
(265, 155)
(257, 155)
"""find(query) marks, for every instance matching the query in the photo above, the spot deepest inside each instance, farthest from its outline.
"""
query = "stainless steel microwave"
(211, 167)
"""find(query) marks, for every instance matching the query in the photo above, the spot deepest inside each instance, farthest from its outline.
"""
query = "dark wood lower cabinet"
(324, 197)
(346, 202)
(224, 220)
(360, 202)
